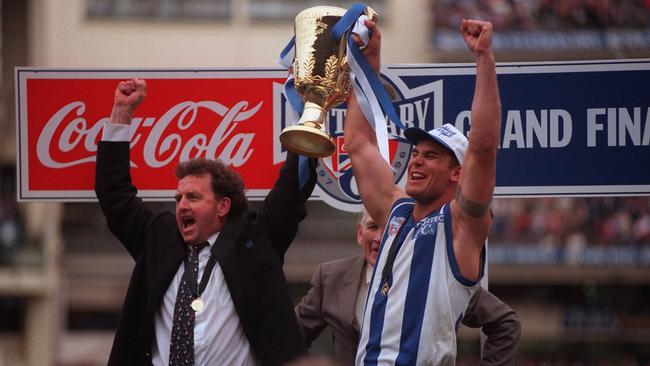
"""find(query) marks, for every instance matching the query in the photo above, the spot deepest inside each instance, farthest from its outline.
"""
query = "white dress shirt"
(363, 292)
(219, 338)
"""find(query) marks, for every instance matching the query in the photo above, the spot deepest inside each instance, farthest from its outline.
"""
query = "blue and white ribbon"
(286, 59)
(288, 54)
(374, 102)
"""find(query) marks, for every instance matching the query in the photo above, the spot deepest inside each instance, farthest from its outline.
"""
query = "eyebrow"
(426, 151)
(189, 194)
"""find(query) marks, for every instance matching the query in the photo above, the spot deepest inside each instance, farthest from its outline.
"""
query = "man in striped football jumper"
(433, 247)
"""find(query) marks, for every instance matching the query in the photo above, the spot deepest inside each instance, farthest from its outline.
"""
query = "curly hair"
(225, 181)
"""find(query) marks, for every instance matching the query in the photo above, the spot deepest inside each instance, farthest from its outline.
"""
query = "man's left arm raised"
(477, 180)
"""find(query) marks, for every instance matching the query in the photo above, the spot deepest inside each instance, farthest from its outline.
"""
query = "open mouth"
(417, 176)
(187, 222)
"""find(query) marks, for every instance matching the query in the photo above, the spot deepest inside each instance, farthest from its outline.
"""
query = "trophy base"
(307, 141)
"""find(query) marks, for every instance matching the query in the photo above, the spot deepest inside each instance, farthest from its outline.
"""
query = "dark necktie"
(181, 350)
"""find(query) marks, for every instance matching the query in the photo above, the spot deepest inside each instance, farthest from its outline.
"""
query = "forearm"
(373, 175)
(499, 323)
(486, 106)
(311, 323)
(284, 207)
(289, 182)
(502, 341)
(357, 131)
(125, 213)
(121, 115)
(309, 310)
(478, 177)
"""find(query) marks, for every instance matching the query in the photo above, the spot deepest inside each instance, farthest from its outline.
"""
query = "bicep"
(375, 181)
(373, 175)
(470, 208)
(478, 177)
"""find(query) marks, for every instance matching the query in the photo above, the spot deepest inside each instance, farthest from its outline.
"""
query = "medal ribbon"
(387, 272)
(207, 273)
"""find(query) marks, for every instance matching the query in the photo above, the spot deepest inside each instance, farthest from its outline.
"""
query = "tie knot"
(196, 249)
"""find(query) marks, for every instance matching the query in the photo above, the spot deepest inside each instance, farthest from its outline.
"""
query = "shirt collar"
(369, 269)
(213, 238)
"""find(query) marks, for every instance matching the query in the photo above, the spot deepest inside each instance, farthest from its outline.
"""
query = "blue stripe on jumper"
(417, 293)
(451, 255)
(402, 207)
(378, 311)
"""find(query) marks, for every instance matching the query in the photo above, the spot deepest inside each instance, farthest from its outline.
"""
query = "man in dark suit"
(337, 299)
(241, 310)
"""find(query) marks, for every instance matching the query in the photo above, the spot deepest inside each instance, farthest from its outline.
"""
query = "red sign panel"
(224, 114)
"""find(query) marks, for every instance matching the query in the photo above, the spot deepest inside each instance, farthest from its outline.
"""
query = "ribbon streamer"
(286, 59)
(373, 100)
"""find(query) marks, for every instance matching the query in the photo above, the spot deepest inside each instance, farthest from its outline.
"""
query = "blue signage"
(578, 128)
(567, 128)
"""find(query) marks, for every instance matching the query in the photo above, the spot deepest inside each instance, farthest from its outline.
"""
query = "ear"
(455, 173)
(223, 207)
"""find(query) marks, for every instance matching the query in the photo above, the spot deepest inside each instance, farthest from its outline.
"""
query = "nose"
(415, 160)
(182, 203)
(377, 236)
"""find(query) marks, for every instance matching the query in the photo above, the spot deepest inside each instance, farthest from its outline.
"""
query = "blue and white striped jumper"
(415, 323)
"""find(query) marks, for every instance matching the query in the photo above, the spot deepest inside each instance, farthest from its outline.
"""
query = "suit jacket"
(332, 301)
(250, 251)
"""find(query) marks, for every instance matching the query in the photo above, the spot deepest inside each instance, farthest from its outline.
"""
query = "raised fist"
(130, 93)
(477, 35)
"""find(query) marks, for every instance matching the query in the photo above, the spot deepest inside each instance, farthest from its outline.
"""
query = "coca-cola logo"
(163, 145)
(186, 114)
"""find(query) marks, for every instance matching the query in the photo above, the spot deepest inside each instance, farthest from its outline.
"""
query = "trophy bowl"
(322, 79)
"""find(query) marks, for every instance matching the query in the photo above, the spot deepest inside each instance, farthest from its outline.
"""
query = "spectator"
(559, 221)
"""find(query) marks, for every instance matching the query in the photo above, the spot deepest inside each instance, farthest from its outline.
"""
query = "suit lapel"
(163, 265)
(349, 292)
(225, 251)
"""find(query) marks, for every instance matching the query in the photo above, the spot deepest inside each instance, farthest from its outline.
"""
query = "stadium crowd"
(601, 221)
(544, 14)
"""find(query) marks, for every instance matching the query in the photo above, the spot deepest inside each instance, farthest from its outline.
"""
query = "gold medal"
(384, 289)
(197, 304)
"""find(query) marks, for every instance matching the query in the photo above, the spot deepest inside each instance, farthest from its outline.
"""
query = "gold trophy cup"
(322, 79)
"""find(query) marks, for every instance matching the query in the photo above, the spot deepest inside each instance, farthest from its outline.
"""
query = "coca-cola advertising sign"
(220, 114)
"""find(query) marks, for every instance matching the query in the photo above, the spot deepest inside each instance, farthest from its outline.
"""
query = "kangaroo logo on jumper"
(419, 106)
(394, 225)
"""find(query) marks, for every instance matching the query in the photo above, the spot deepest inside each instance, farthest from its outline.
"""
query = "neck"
(422, 209)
